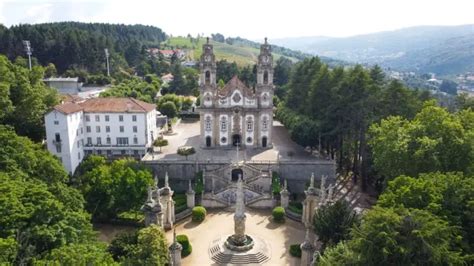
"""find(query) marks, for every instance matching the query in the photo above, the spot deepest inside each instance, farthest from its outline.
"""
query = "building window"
(135, 129)
(249, 140)
(77, 132)
(265, 123)
(135, 140)
(58, 148)
(121, 118)
(89, 141)
(78, 155)
(56, 122)
(265, 77)
(57, 137)
(107, 128)
(106, 118)
(78, 144)
(99, 152)
(208, 77)
(249, 124)
(97, 129)
(208, 123)
(109, 152)
(88, 118)
(135, 152)
(224, 140)
(223, 124)
(97, 118)
(122, 141)
(88, 129)
(82, 142)
(107, 140)
(134, 118)
(82, 131)
(123, 152)
(121, 129)
(99, 141)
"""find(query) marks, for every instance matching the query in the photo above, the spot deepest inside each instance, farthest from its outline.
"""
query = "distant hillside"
(243, 52)
(80, 45)
(439, 49)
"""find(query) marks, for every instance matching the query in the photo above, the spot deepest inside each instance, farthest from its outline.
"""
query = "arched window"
(249, 124)
(223, 124)
(265, 123)
(208, 77)
(265, 77)
(208, 123)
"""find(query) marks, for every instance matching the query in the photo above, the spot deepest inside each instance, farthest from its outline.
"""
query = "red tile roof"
(107, 105)
(235, 83)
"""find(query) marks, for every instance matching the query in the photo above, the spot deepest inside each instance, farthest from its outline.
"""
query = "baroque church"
(236, 115)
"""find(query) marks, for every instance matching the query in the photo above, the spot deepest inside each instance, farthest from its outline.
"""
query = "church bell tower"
(264, 87)
(207, 64)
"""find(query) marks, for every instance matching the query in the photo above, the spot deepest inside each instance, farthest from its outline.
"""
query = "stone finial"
(150, 196)
(266, 40)
(285, 185)
(311, 182)
(166, 180)
(190, 188)
(156, 181)
(207, 40)
(331, 191)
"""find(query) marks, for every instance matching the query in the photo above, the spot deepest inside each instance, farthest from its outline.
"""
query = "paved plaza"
(188, 133)
(220, 223)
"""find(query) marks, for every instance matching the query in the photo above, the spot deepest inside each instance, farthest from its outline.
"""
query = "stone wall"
(297, 173)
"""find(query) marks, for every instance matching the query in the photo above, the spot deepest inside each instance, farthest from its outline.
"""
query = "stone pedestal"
(152, 210)
(175, 252)
(190, 196)
(307, 251)
(284, 196)
(309, 204)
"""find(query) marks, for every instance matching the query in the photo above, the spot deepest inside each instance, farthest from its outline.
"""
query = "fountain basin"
(239, 245)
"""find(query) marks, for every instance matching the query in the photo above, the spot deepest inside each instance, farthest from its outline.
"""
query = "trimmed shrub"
(184, 241)
(180, 203)
(199, 213)
(278, 214)
(295, 250)
(296, 207)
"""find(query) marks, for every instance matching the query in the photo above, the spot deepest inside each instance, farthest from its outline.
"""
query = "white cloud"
(258, 18)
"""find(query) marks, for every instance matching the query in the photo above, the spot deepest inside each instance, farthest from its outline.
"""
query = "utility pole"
(107, 58)
(28, 51)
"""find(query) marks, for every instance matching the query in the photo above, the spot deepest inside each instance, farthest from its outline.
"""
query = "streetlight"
(28, 51)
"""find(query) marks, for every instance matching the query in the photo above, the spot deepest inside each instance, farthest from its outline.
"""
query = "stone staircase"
(346, 189)
(223, 258)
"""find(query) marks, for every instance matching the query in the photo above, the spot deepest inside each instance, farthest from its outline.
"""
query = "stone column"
(284, 196)
(168, 202)
(190, 196)
(309, 204)
(307, 250)
(175, 251)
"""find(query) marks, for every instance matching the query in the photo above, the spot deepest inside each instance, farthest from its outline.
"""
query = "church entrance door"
(236, 140)
(208, 141)
(264, 142)
(236, 173)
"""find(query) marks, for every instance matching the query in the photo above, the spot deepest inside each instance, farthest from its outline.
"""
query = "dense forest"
(74, 45)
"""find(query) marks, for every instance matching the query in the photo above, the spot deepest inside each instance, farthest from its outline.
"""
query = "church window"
(208, 77)
(249, 140)
(265, 123)
(208, 123)
(224, 140)
(223, 124)
(265, 77)
(249, 124)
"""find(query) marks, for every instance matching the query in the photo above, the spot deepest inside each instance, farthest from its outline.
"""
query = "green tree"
(332, 223)
(78, 254)
(160, 142)
(151, 248)
(169, 109)
(186, 151)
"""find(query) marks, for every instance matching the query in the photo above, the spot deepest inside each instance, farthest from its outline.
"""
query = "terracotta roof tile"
(116, 105)
(68, 108)
(235, 83)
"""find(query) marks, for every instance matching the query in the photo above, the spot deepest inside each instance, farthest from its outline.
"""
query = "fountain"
(239, 248)
(239, 241)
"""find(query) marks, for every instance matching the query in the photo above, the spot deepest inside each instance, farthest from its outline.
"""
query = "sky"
(252, 19)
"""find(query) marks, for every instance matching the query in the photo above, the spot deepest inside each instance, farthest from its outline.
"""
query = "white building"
(112, 127)
(64, 85)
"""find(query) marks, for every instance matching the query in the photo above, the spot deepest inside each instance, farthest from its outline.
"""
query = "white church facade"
(236, 115)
